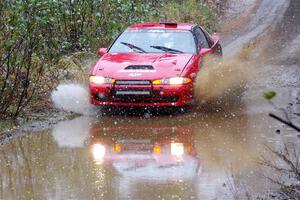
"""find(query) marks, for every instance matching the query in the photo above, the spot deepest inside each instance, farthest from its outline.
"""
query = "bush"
(192, 11)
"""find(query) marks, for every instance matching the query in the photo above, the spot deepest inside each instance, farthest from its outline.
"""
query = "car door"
(205, 44)
(202, 45)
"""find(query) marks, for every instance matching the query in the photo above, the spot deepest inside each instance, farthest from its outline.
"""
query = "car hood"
(132, 65)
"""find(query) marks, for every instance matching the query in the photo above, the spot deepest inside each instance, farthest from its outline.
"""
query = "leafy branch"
(287, 121)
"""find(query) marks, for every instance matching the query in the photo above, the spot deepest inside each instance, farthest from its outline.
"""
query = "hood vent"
(140, 67)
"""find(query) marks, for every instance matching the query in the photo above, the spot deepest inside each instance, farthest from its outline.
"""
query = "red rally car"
(151, 64)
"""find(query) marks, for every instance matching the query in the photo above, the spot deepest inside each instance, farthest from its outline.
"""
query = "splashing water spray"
(220, 77)
(73, 97)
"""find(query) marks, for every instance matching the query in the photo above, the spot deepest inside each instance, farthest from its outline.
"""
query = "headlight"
(172, 81)
(98, 152)
(177, 149)
(101, 80)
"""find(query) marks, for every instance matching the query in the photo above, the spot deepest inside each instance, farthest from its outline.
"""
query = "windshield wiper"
(166, 49)
(131, 46)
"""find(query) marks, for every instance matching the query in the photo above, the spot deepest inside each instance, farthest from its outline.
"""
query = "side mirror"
(102, 51)
(215, 37)
(205, 51)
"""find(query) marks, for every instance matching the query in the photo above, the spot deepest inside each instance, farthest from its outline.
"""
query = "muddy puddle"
(189, 156)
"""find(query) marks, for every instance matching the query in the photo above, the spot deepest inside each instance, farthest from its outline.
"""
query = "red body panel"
(166, 65)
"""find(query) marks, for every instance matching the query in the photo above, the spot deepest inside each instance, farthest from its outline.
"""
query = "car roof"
(164, 25)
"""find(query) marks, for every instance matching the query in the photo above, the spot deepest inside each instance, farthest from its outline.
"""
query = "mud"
(219, 79)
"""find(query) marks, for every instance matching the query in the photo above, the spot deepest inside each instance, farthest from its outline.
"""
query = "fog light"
(101, 96)
(117, 148)
(157, 149)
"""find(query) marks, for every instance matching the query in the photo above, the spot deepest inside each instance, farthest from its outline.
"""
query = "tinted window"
(201, 39)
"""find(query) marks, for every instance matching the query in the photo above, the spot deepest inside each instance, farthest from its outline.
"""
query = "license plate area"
(132, 92)
(138, 146)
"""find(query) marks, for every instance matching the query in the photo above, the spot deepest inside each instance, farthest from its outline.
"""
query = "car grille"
(145, 99)
(133, 82)
(138, 99)
(132, 92)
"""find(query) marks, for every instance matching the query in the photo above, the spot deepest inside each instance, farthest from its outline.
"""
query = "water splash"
(73, 97)
(72, 133)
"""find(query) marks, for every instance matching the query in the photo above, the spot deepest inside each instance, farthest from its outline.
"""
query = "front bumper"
(141, 95)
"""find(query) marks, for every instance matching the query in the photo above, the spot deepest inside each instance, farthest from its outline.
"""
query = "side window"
(201, 39)
(210, 41)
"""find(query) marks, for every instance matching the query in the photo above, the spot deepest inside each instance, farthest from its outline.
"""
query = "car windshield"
(154, 41)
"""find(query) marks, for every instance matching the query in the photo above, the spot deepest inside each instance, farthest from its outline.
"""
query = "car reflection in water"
(138, 158)
(146, 153)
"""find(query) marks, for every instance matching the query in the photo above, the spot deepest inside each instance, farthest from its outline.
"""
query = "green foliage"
(269, 95)
(191, 11)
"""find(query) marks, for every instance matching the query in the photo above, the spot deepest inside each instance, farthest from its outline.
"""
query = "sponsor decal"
(137, 71)
(135, 74)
